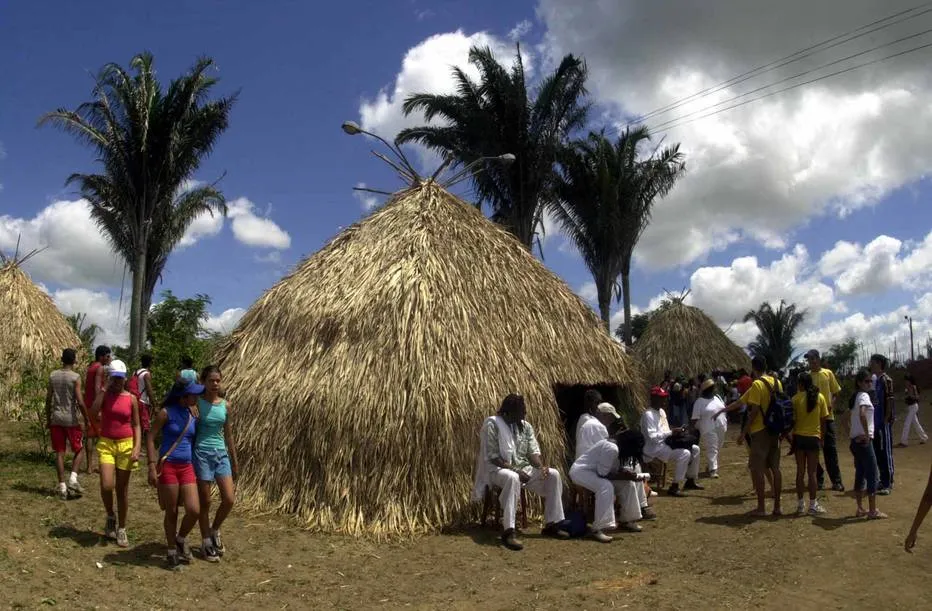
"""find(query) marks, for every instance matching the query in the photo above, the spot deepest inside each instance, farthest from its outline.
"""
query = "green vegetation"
(776, 330)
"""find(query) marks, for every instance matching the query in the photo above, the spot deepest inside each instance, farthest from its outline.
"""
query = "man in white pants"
(599, 470)
(711, 424)
(509, 456)
(656, 431)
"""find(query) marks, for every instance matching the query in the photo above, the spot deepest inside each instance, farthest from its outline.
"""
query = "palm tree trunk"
(136, 302)
(626, 297)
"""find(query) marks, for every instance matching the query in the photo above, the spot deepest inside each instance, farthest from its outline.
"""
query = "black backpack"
(780, 417)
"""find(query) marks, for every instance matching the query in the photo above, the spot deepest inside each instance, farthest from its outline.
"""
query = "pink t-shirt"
(116, 416)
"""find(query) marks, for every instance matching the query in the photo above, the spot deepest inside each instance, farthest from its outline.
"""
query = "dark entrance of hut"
(570, 403)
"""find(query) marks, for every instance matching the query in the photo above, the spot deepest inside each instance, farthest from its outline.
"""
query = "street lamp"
(912, 352)
(407, 172)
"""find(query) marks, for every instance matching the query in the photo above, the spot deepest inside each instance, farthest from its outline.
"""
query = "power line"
(663, 125)
(793, 57)
(797, 85)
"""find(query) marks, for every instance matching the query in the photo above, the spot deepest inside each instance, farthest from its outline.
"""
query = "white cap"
(608, 408)
(117, 369)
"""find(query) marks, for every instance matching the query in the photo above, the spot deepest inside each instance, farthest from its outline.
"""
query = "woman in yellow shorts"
(118, 448)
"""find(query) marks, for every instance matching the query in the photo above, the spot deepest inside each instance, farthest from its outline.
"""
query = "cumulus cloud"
(100, 308)
(366, 199)
(757, 171)
(520, 30)
(75, 253)
(883, 263)
(205, 225)
(224, 322)
(254, 230)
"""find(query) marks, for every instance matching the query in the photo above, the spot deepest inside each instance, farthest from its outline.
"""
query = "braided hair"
(812, 391)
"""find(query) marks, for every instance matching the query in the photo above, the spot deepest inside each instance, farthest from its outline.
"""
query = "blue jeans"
(865, 467)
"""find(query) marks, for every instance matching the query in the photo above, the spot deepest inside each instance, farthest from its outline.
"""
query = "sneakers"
(74, 489)
(674, 490)
(884, 492)
(121, 537)
(217, 542)
(601, 537)
(714, 475)
(510, 541)
(839, 487)
(62, 491)
(209, 552)
(800, 507)
(182, 550)
(692, 485)
(173, 561)
(648, 513)
(110, 529)
(815, 508)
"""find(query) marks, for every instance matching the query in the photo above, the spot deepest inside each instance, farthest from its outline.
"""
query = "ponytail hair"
(812, 392)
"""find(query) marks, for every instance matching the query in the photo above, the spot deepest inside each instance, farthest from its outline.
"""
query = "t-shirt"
(525, 444)
(142, 379)
(883, 388)
(703, 412)
(64, 408)
(744, 383)
(808, 424)
(90, 384)
(175, 425)
(116, 416)
(188, 375)
(862, 400)
(602, 458)
(213, 416)
(759, 394)
(825, 381)
(589, 431)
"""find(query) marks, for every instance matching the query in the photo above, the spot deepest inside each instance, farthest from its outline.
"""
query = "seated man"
(600, 471)
(509, 456)
(661, 442)
(591, 426)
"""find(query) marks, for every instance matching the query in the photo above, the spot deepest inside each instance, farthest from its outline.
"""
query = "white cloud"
(270, 257)
(75, 253)
(253, 230)
(520, 30)
(368, 200)
(224, 322)
(883, 263)
(205, 225)
(757, 171)
(101, 309)
(587, 292)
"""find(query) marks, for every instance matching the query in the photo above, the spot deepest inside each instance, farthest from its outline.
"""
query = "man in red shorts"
(65, 422)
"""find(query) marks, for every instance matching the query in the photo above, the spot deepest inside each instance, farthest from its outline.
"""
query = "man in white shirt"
(711, 424)
(600, 470)
(658, 435)
(591, 427)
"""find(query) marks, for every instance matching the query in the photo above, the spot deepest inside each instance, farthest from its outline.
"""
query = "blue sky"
(835, 165)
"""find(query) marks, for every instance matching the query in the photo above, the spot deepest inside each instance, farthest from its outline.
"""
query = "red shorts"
(177, 474)
(144, 417)
(61, 433)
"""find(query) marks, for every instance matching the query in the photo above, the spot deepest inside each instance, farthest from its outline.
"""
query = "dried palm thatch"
(32, 330)
(682, 339)
(363, 376)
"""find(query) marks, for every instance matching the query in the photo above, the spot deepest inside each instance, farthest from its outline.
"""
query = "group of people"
(114, 416)
(609, 457)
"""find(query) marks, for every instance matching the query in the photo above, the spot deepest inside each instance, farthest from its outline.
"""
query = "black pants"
(883, 449)
(830, 452)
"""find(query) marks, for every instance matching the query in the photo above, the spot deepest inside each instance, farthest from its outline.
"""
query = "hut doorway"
(570, 403)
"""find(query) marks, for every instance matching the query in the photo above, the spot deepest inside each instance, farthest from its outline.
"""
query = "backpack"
(780, 417)
(133, 386)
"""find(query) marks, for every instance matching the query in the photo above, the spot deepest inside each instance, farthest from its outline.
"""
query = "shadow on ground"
(148, 554)
(84, 538)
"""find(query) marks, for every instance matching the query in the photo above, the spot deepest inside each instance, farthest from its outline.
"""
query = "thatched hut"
(683, 339)
(360, 380)
(33, 332)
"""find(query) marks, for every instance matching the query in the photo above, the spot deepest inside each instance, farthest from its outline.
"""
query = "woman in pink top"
(118, 448)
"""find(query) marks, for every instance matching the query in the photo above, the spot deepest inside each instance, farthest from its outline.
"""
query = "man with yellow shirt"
(824, 380)
(764, 447)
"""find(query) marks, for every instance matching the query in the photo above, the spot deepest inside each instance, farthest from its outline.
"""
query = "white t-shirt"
(862, 399)
(704, 410)
(602, 458)
(589, 431)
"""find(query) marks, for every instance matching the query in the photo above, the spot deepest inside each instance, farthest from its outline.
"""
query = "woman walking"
(912, 415)
(118, 448)
(810, 414)
(173, 471)
(214, 461)
(866, 472)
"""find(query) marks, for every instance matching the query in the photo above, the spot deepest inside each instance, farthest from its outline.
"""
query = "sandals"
(877, 515)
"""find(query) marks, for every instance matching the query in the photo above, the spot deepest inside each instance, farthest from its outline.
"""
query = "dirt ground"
(703, 552)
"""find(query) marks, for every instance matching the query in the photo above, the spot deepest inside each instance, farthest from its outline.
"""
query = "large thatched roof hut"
(32, 330)
(360, 380)
(683, 339)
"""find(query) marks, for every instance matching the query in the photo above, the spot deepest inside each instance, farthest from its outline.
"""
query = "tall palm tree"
(149, 142)
(606, 192)
(775, 332)
(498, 115)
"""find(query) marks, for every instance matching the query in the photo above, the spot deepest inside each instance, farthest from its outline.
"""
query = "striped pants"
(883, 448)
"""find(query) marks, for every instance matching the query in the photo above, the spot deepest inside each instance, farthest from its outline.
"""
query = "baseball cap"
(656, 391)
(706, 385)
(812, 354)
(184, 387)
(117, 369)
(608, 408)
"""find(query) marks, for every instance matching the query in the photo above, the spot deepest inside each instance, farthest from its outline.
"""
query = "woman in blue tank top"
(172, 469)
(214, 461)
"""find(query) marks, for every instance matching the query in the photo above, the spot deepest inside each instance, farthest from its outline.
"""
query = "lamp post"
(352, 128)
(912, 351)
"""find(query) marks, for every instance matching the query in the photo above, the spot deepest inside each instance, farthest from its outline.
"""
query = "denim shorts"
(210, 464)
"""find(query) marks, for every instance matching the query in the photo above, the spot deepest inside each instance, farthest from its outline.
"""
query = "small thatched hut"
(682, 339)
(32, 330)
(360, 380)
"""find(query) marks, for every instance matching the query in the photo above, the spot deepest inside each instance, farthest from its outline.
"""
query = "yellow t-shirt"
(825, 381)
(808, 424)
(759, 394)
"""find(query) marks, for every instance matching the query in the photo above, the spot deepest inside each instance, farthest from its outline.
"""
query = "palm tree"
(775, 332)
(149, 141)
(498, 115)
(86, 332)
(606, 192)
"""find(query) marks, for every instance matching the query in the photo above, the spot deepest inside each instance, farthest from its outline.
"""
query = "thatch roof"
(32, 330)
(360, 380)
(682, 339)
